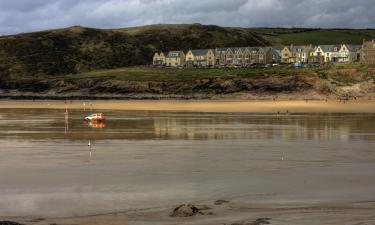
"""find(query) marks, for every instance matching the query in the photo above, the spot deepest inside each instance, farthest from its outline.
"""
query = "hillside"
(156, 83)
(276, 36)
(80, 62)
(77, 49)
(303, 36)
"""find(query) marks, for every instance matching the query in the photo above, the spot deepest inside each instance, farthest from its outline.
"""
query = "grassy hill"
(77, 49)
(301, 36)
(272, 36)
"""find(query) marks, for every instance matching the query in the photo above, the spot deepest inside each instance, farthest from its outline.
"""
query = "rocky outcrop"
(185, 210)
(9, 223)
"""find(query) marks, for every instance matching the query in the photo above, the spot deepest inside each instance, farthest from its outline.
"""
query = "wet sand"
(235, 212)
(330, 106)
(330, 208)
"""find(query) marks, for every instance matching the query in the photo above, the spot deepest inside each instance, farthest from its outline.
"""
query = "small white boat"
(97, 117)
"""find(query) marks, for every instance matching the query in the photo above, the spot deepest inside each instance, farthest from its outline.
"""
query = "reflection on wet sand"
(141, 159)
(96, 124)
(187, 126)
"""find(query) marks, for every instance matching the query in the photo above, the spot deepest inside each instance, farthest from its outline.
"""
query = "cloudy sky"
(29, 15)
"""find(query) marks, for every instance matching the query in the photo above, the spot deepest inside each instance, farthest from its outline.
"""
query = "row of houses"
(218, 56)
(321, 54)
(343, 53)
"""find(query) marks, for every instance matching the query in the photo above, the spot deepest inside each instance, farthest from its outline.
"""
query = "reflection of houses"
(200, 58)
(368, 52)
(175, 59)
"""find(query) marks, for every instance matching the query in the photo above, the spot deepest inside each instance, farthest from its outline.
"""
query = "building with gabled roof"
(200, 58)
(326, 53)
(175, 59)
(368, 52)
(349, 53)
(159, 59)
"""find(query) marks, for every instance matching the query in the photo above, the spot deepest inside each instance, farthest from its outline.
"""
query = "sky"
(18, 16)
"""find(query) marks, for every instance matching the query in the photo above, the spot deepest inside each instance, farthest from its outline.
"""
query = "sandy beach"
(349, 167)
(232, 213)
(330, 106)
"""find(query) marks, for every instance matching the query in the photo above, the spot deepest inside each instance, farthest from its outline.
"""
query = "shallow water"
(143, 159)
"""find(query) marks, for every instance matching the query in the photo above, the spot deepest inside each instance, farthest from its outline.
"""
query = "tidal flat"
(303, 166)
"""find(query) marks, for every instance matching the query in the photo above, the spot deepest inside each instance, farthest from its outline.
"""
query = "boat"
(97, 117)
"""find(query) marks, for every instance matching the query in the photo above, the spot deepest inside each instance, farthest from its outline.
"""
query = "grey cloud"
(30, 15)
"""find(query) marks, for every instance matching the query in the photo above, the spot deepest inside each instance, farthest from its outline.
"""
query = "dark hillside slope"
(77, 49)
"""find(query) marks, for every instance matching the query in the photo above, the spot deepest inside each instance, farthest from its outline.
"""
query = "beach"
(235, 213)
(239, 162)
(266, 106)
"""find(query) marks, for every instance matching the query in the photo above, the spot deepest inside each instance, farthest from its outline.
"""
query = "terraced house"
(349, 53)
(159, 59)
(368, 52)
(200, 58)
(245, 56)
(175, 59)
(293, 54)
(220, 56)
(326, 53)
(250, 55)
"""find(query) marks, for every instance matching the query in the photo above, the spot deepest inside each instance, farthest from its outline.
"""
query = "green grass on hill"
(170, 74)
(301, 36)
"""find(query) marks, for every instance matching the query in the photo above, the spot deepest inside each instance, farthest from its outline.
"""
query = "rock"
(9, 223)
(260, 221)
(185, 211)
(204, 207)
(221, 202)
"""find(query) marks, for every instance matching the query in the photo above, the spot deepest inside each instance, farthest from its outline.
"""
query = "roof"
(354, 48)
(200, 52)
(172, 54)
(254, 49)
(221, 49)
(297, 48)
(330, 48)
